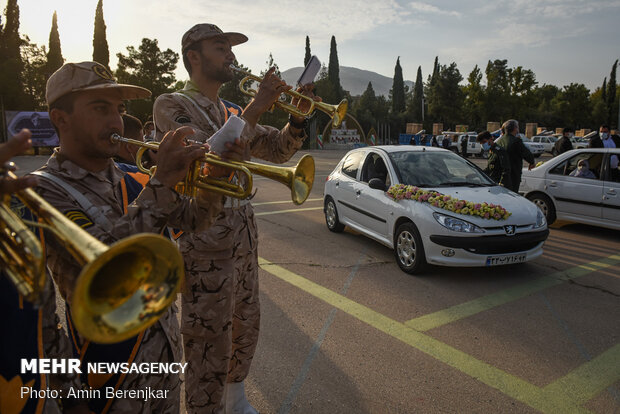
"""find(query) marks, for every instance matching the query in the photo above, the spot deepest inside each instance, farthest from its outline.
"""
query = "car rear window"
(351, 164)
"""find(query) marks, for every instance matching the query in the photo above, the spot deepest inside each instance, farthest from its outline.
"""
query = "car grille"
(517, 247)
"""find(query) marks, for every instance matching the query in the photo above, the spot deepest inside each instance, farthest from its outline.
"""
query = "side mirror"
(377, 184)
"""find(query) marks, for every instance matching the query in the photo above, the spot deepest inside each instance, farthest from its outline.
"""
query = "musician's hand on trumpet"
(15, 146)
(268, 93)
(236, 151)
(302, 104)
(174, 157)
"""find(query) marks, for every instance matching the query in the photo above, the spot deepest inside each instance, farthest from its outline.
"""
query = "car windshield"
(437, 169)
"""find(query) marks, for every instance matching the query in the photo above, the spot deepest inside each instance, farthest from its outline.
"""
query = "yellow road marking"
(508, 384)
(292, 210)
(589, 379)
(284, 202)
(464, 310)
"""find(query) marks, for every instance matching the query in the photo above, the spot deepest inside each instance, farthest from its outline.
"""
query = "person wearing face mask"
(605, 140)
(583, 170)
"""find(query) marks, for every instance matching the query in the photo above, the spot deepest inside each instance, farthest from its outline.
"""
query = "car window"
(613, 163)
(435, 169)
(375, 167)
(591, 169)
(352, 163)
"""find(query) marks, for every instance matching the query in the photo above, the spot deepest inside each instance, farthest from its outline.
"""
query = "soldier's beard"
(219, 74)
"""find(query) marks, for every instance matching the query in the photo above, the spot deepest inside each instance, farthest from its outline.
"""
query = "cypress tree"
(333, 71)
(308, 55)
(604, 92)
(54, 56)
(101, 54)
(418, 94)
(11, 64)
(611, 94)
(398, 89)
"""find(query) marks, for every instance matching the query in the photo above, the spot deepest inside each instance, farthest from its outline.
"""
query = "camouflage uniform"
(220, 313)
(155, 207)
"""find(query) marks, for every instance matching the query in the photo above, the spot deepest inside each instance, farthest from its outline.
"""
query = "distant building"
(343, 135)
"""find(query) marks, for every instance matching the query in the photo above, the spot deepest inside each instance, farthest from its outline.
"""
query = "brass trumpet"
(299, 178)
(122, 289)
(335, 112)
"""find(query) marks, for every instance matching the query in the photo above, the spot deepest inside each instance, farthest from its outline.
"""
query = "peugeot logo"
(510, 230)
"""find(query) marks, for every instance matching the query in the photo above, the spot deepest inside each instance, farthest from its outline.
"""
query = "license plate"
(505, 260)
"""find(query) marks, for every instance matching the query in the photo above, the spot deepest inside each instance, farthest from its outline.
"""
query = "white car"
(547, 141)
(579, 142)
(473, 147)
(356, 195)
(561, 194)
(535, 148)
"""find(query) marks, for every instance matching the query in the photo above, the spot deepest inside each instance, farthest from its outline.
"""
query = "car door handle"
(553, 184)
(337, 184)
(358, 192)
(611, 191)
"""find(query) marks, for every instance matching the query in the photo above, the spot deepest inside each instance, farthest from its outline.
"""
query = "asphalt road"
(343, 330)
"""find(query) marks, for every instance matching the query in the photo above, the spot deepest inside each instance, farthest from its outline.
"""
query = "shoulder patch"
(79, 218)
(183, 119)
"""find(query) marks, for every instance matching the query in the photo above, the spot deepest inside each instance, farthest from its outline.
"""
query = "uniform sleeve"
(170, 113)
(271, 144)
(155, 207)
(504, 162)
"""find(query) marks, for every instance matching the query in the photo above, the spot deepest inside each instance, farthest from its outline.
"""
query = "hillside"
(353, 80)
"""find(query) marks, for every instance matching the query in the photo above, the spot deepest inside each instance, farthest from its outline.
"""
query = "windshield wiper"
(462, 184)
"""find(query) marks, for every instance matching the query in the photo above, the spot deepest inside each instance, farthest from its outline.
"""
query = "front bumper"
(474, 251)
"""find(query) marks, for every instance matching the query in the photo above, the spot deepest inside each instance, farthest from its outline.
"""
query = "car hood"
(523, 211)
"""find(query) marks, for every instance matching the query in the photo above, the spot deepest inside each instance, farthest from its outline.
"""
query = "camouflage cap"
(84, 76)
(205, 31)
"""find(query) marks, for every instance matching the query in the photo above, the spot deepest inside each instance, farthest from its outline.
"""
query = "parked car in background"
(558, 190)
(579, 142)
(473, 147)
(547, 141)
(535, 148)
(439, 231)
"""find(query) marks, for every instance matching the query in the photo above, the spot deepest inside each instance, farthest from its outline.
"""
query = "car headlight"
(540, 219)
(455, 224)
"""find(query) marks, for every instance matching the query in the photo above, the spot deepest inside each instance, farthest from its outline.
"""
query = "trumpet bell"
(337, 112)
(303, 179)
(127, 288)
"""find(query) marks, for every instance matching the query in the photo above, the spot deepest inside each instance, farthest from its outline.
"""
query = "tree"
(398, 89)
(54, 55)
(34, 75)
(447, 96)
(150, 68)
(573, 105)
(417, 98)
(230, 90)
(498, 90)
(333, 71)
(473, 107)
(308, 54)
(612, 106)
(101, 53)
(365, 108)
(11, 64)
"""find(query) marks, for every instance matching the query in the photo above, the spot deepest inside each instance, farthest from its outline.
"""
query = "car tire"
(545, 205)
(408, 249)
(331, 216)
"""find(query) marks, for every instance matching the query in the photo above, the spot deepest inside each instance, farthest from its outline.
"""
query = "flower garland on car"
(486, 211)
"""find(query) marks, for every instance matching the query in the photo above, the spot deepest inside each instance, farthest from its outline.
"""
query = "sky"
(561, 41)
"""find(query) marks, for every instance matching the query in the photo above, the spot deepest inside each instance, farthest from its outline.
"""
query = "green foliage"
(230, 90)
(398, 89)
(11, 64)
(34, 75)
(416, 102)
(446, 97)
(150, 68)
(497, 100)
(54, 56)
(473, 107)
(101, 52)
(612, 101)
(333, 72)
(308, 54)
(573, 105)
